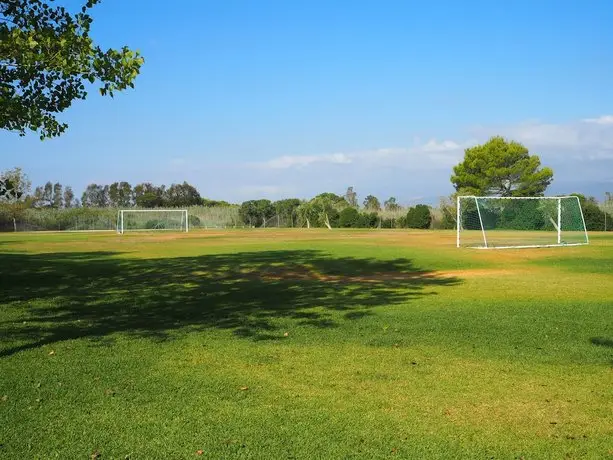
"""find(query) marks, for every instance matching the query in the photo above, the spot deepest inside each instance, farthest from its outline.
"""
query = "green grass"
(303, 344)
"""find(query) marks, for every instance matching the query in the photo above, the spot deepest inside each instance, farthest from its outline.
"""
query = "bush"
(368, 220)
(194, 221)
(594, 217)
(419, 217)
(349, 218)
(334, 218)
(255, 212)
(387, 222)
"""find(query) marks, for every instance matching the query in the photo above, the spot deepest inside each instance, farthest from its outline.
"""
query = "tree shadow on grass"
(602, 341)
(63, 296)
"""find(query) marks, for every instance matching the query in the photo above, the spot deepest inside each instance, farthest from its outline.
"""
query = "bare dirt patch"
(478, 272)
(306, 273)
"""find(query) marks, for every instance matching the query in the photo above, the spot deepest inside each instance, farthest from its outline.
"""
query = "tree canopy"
(14, 189)
(181, 195)
(14, 184)
(46, 58)
(391, 204)
(7, 190)
(120, 194)
(352, 197)
(503, 168)
(372, 203)
(419, 217)
(255, 212)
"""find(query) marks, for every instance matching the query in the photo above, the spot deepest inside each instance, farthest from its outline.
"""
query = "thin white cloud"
(430, 155)
(579, 151)
(288, 161)
(544, 134)
(602, 120)
(249, 192)
(445, 146)
(590, 138)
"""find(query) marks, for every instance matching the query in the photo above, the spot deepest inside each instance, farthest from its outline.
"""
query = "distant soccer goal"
(152, 219)
(519, 222)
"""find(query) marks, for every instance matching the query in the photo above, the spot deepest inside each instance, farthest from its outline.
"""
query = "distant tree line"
(55, 196)
(332, 210)
(144, 195)
(120, 195)
(324, 210)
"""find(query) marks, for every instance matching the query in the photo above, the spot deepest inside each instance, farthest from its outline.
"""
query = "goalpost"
(519, 222)
(152, 219)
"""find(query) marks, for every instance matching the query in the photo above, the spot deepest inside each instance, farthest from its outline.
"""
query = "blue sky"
(251, 99)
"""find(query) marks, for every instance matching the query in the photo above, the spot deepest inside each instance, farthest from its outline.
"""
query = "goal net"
(519, 222)
(152, 219)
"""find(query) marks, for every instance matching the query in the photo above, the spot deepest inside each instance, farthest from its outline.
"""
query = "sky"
(273, 99)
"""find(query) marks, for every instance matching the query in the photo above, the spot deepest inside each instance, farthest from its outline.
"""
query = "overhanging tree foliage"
(46, 57)
(502, 168)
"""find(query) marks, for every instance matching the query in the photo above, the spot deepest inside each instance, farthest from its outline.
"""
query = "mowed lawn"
(305, 344)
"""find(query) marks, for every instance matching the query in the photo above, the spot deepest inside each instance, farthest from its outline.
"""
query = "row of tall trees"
(55, 196)
(143, 195)
(49, 195)
(330, 210)
(371, 202)
(14, 183)
(320, 211)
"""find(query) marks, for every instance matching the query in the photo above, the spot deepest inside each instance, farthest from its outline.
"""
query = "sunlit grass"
(272, 344)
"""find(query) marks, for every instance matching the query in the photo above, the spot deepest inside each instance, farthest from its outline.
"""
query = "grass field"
(303, 344)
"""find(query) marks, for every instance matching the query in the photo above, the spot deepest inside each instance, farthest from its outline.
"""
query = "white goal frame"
(121, 220)
(557, 225)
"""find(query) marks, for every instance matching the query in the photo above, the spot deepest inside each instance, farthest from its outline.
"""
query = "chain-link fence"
(17, 217)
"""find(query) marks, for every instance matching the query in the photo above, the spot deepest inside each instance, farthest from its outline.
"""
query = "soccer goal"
(519, 222)
(152, 219)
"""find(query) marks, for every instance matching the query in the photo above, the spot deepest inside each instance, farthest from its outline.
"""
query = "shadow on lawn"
(602, 341)
(95, 294)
